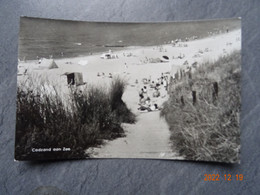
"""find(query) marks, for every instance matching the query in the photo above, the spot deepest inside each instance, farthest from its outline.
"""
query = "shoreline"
(129, 48)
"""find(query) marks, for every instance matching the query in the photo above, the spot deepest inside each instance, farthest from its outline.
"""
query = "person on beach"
(152, 85)
(40, 61)
(141, 92)
(145, 89)
(126, 67)
(145, 81)
(142, 100)
(154, 107)
(165, 83)
(157, 82)
(148, 102)
(161, 79)
(156, 93)
(149, 108)
(145, 94)
(150, 79)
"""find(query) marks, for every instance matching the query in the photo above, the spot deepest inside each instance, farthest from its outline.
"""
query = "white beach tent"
(47, 64)
(109, 56)
(21, 70)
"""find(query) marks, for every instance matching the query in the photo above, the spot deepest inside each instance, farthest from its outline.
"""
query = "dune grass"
(45, 119)
(207, 130)
(117, 89)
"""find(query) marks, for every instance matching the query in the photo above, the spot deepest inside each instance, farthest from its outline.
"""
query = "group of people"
(162, 81)
(144, 99)
(145, 102)
(103, 75)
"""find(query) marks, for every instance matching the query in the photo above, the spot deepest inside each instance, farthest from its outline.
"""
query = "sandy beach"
(150, 133)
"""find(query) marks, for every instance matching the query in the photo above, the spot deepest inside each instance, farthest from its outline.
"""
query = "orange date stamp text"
(225, 177)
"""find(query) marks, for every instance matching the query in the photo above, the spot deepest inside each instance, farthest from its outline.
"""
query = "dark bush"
(45, 120)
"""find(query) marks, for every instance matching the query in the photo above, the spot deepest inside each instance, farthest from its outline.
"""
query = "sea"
(45, 38)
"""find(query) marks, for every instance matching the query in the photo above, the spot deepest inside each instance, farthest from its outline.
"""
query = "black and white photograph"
(165, 90)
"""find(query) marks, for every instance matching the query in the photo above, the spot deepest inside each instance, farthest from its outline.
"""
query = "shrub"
(117, 89)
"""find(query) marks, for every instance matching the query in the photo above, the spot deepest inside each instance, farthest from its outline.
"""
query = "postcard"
(168, 90)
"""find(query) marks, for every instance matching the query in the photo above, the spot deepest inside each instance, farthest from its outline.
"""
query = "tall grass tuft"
(117, 89)
(207, 130)
(82, 119)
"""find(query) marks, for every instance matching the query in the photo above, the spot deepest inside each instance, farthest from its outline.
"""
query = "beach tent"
(21, 70)
(48, 64)
(105, 56)
(164, 59)
(108, 56)
(74, 78)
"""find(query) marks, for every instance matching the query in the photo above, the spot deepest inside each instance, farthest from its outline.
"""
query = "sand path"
(147, 138)
(143, 140)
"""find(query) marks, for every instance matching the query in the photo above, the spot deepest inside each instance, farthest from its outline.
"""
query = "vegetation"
(45, 119)
(206, 127)
(118, 106)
